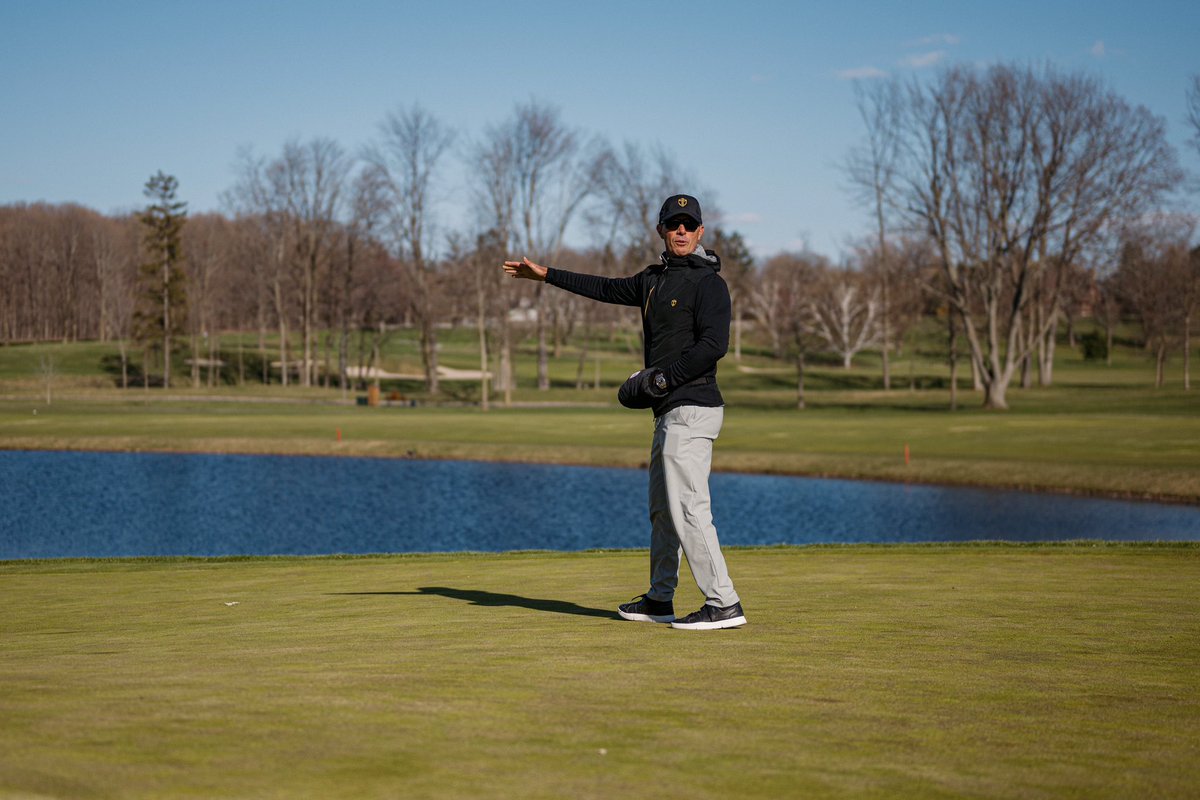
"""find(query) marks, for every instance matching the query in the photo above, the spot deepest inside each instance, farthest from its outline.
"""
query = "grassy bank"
(1111, 441)
(982, 671)
(1099, 430)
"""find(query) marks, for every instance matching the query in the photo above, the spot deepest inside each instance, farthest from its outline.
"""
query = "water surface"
(66, 504)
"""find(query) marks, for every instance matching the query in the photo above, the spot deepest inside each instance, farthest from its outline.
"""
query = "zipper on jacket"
(650, 296)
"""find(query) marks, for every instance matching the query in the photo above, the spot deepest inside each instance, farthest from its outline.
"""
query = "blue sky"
(754, 98)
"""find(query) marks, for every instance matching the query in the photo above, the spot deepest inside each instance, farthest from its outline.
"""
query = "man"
(685, 321)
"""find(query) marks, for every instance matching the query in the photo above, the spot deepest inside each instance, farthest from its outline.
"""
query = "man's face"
(681, 235)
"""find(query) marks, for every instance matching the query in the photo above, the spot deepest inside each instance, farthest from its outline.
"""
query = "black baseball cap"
(680, 205)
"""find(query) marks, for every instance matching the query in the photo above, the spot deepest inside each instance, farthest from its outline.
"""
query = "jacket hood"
(698, 258)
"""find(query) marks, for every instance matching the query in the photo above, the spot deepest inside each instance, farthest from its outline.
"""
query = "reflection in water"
(126, 504)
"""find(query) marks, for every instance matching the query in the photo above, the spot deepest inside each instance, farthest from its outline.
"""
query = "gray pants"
(680, 507)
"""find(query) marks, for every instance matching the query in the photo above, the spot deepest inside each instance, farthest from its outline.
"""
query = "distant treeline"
(1004, 201)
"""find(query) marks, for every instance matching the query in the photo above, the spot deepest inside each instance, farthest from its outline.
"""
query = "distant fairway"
(902, 671)
(1098, 430)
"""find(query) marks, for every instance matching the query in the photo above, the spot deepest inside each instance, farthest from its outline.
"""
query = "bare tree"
(845, 313)
(900, 274)
(406, 157)
(49, 275)
(296, 200)
(494, 194)
(477, 268)
(368, 214)
(781, 301)
(69, 257)
(769, 302)
(530, 180)
(1012, 172)
(1157, 279)
(263, 218)
(206, 239)
(310, 178)
(116, 268)
(107, 261)
(551, 183)
(871, 170)
(248, 284)
(630, 184)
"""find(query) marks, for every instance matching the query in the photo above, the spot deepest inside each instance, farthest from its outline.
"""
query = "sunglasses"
(690, 225)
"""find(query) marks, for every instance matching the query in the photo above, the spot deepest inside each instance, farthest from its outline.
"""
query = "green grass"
(920, 363)
(905, 671)
(1097, 430)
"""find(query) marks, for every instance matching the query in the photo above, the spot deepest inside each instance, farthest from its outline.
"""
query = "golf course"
(905, 671)
(975, 670)
(503, 401)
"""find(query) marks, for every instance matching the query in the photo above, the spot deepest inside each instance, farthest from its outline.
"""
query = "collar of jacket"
(697, 258)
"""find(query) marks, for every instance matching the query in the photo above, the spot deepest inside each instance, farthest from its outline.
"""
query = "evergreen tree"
(162, 299)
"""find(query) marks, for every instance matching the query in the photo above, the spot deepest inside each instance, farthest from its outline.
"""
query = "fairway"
(898, 671)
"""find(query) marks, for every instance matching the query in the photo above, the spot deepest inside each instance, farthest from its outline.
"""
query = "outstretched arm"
(525, 269)
(622, 291)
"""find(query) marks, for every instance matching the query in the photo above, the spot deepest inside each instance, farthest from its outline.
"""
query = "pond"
(69, 504)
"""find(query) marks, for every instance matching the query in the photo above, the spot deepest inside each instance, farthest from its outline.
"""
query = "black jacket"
(685, 320)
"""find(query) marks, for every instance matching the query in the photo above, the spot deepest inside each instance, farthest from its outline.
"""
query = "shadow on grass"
(478, 597)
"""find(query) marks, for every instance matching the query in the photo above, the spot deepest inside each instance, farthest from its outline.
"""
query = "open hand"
(524, 269)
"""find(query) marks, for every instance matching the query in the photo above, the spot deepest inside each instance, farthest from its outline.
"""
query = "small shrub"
(1095, 346)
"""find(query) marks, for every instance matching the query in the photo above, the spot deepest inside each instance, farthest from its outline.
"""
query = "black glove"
(643, 389)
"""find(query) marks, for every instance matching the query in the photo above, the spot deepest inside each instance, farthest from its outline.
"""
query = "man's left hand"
(643, 389)
(525, 269)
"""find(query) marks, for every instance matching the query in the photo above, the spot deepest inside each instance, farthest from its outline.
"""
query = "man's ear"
(699, 234)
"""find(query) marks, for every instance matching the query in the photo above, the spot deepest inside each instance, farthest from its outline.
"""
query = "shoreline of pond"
(894, 548)
(114, 504)
(413, 455)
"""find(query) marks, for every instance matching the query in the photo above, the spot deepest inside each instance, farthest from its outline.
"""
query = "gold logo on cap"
(674, 303)
(682, 202)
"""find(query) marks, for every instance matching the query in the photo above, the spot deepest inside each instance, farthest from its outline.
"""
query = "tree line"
(1005, 202)
(1030, 188)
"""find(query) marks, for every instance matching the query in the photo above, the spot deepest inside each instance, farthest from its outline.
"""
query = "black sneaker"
(643, 609)
(710, 618)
